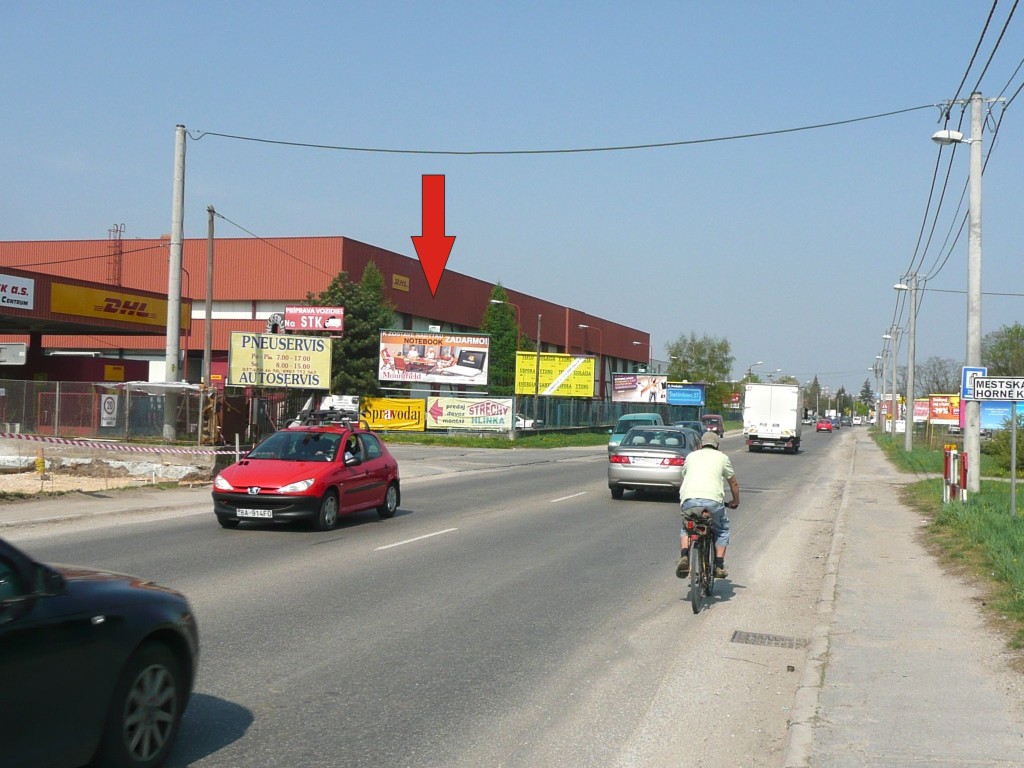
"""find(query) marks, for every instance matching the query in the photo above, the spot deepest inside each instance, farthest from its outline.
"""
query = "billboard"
(686, 394)
(560, 375)
(944, 409)
(393, 413)
(639, 388)
(475, 413)
(300, 318)
(279, 360)
(434, 358)
(113, 304)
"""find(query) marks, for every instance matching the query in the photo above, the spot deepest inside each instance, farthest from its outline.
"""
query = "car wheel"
(227, 522)
(145, 711)
(327, 518)
(387, 510)
(616, 492)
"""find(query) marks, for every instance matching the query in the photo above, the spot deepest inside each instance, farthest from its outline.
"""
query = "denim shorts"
(719, 519)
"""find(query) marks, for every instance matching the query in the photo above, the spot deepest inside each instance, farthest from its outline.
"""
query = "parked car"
(96, 666)
(522, 422)
(846, 421)
(650, 458)
(806, 420)
(713, 423)
(836, 424)
(314, 473)
(629, 420)
(857, 421)
(696, 426)
(823, 425)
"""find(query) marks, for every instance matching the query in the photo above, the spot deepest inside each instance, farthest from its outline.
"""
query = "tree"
(708, 359)
(867, 395)
(938, 376)
(1003, 351)
(500, 322)
(355, 356)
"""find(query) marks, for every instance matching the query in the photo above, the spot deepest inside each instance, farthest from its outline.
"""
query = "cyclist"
(703, 474)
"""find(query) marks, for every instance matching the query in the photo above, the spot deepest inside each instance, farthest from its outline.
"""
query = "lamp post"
(750, 369)
(972, 423)
(648, 345)
(908, 436)
(600, 355)
(893, 337)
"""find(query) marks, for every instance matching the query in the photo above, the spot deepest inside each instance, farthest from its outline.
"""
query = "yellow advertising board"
(114, 305)
(560, 375)
(474, 413)
(393, 413)
(279, 360)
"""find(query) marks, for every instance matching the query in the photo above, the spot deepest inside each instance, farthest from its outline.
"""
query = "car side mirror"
(352, 461)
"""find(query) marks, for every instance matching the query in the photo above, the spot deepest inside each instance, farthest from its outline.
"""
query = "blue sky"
(786, 245)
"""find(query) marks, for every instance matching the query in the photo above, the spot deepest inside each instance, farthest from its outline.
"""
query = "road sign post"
(1003, 388)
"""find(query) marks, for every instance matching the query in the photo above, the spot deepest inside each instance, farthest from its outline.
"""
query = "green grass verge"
(539, 440)
(979, 538)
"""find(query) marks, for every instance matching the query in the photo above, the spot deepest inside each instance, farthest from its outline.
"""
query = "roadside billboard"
(639, 388)
(921, 410)
(279, 360)
(996, 415)
(473, 413)
(560, 375)
(944, 409)
(396, 414)
(685, 394)
(434, 358)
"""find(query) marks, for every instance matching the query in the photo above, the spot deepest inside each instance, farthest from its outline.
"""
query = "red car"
(713, 423)
(314, 473)
(824, 425)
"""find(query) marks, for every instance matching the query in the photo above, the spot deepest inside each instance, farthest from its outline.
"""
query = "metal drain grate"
(776, 641)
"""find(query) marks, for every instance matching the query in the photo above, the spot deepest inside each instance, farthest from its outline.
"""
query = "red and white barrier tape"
(114, 446)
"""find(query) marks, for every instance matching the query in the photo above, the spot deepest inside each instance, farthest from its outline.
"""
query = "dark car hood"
(91, 581)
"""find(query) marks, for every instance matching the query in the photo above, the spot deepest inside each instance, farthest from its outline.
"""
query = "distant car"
(857, 421)
(524, 423)
(629, 420)
(836, 424)
(696, 426)
(823, 425)
(314, 473)
(846, 421)
(713, 423)
(806, 420)
(650, 458)
(97, 667)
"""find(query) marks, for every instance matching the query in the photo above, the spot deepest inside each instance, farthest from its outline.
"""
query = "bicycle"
(697, 521)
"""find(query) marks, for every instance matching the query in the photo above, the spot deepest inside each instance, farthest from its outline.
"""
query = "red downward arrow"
(433, 247)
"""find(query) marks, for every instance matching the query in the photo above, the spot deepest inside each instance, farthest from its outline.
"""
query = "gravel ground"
(30, 483)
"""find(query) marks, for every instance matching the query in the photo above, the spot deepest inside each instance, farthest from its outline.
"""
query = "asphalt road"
(511, 614)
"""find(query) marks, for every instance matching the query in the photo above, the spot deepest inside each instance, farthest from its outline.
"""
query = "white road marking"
(418, 538)
(563, 498)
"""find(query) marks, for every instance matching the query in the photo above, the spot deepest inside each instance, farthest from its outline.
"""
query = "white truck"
(771, 416)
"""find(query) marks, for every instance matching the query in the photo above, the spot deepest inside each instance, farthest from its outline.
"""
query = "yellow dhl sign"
(114, 305)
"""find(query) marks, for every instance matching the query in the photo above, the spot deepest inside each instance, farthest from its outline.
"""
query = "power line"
(570, 150)
(272, 245)
(86, 258)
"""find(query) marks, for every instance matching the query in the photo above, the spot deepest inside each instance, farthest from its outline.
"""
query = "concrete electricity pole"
(171, 373)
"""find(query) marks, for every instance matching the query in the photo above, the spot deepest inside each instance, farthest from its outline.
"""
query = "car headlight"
(220, 483)
(298, 487)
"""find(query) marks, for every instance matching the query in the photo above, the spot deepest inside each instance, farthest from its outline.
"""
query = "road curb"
(805, 706)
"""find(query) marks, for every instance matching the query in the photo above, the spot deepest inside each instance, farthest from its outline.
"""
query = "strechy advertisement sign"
(393, 413)
(434, 358)
(279, 360)
(473, 413)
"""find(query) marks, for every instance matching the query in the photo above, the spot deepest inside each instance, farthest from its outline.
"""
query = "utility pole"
(208, 326)
(171, 374)
(972, 423)
(908, 437)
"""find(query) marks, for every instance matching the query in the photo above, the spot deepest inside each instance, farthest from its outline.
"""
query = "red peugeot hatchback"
(314, 473)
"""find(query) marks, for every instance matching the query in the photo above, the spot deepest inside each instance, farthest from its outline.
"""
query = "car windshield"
(298, 446)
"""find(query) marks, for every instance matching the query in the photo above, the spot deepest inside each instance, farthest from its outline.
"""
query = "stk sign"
(999, 388)
(315, 319)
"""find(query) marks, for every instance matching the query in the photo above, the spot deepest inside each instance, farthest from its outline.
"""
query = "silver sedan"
(650, 459)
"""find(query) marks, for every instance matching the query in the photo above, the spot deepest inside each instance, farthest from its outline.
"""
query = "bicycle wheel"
(698, 566)
(709, 564)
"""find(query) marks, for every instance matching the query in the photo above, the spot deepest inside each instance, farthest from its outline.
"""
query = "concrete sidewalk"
(78, 506)
(904, 671)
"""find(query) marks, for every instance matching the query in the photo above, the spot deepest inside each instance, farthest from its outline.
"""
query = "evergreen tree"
(499, 321)
(867, 395)
(355, 356)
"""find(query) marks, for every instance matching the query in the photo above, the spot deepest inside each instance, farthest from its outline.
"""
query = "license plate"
(254, 513)
(645, 461)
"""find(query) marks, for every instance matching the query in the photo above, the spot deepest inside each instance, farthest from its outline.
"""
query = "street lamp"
(892, 336)
(751, 367)
(600, 355)
(972, 423)
(908, 436)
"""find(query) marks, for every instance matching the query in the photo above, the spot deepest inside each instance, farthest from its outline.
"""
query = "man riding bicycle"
(703, 474)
